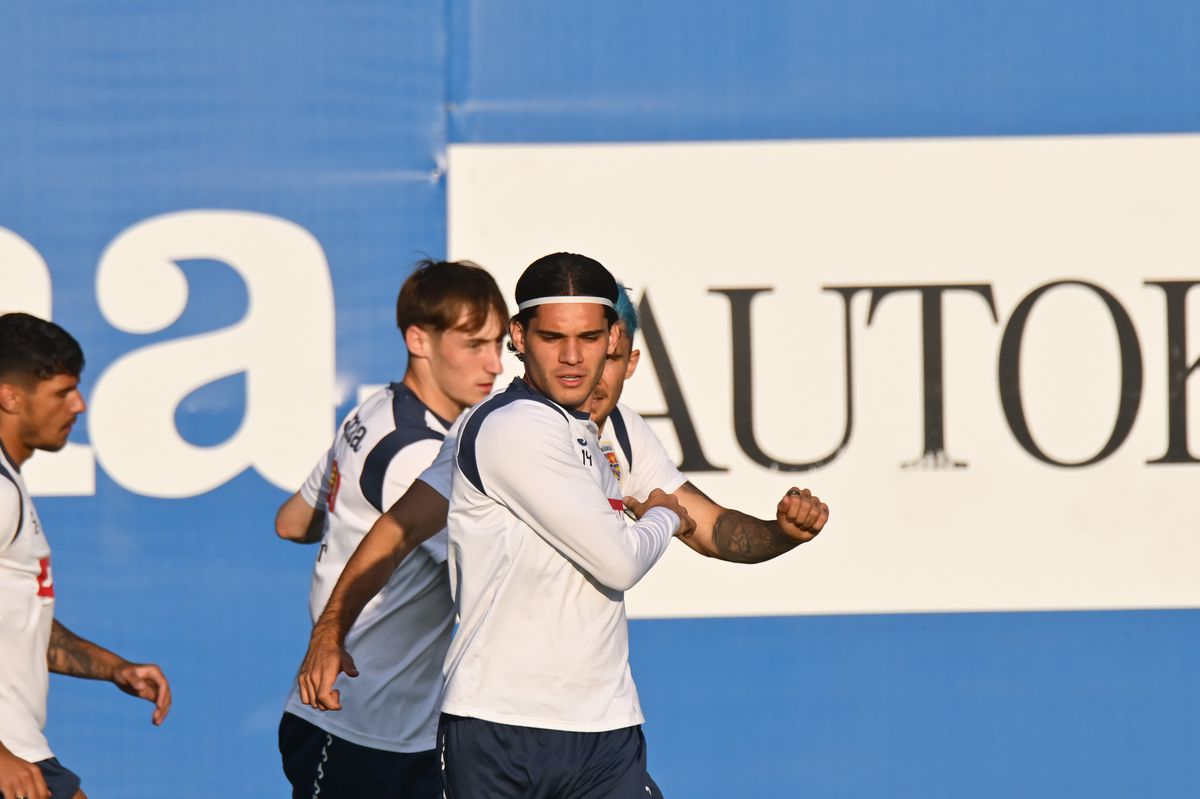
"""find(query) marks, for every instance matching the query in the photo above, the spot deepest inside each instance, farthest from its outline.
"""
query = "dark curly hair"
(32, 349)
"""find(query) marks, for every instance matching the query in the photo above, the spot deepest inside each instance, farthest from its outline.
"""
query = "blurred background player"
(721, 532)
(40, 364)
(382, 745)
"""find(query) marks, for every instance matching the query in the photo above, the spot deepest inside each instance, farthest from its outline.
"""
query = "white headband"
(555, 300)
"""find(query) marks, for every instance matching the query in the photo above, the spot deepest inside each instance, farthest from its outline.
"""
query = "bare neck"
(14, 447)
(430, 395)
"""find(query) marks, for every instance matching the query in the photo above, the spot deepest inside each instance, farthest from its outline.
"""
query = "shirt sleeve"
(652, 467)
(405, 467)
(10, 512)
(528, 460)
(315, 490)
(439, 475)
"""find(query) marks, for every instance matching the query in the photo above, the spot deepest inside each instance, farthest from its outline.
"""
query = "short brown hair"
(438, 293)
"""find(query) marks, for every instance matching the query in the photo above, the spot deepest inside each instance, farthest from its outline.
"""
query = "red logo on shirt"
(335, 482)
(45, 579)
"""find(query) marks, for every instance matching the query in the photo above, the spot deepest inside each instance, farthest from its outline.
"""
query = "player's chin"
(572, 398)
(54, 445)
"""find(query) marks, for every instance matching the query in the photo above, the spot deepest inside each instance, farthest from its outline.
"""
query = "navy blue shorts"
(320, 764)
(62, 782)
(497, 761)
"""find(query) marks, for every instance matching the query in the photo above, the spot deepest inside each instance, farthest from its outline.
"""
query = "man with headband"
(539, 699)
(729, 535)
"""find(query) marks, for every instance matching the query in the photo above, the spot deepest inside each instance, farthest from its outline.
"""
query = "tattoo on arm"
(744, 539)
(71, 655)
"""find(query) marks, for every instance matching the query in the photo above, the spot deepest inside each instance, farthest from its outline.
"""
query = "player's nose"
(570, 352)
(494, 364)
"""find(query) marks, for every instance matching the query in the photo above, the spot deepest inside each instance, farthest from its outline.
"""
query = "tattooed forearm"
(71, 655)
(745, 539)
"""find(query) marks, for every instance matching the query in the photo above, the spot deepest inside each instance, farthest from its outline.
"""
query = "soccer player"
(539, 699)
(383, 744)
(40, 365)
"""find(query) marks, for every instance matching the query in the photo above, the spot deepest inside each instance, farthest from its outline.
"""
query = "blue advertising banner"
(286, 160)
(220, 201)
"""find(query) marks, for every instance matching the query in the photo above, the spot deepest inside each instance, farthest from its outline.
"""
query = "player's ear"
(614, 338)
(417, 340)
(10, 397)
(631, 367)
(517, 333)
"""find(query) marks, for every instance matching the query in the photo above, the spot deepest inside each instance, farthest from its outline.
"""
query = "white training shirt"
(400, 639)
(540, 557)
(26, 616)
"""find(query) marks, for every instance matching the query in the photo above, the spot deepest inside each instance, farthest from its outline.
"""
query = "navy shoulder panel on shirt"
(408, 413)
(517, 390)
(622, 434)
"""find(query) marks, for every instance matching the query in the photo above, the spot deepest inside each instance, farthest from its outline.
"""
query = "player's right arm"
(302, 517)
(737, 537)
(20, 777)
(722, 533)
(413, 519)
(528, 460)
(299, 521)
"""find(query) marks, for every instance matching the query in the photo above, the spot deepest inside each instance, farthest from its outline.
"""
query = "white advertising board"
(977, 351)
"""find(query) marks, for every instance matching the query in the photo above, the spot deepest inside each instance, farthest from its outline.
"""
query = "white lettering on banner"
(286, 339)
(26, 287)
(978, 351)
(24, 276)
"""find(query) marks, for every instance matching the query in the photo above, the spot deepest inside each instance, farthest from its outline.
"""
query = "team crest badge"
(614, 465)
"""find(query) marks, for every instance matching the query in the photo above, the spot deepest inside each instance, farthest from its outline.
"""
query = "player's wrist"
(118, 671)
(328, 631)
(666, 515)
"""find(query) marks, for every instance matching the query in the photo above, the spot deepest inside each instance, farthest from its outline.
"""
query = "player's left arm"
(732, 535)
(721, 532)
(77, 657)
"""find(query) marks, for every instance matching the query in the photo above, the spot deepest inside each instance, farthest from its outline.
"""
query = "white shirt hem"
(324, 720)
(605, 725)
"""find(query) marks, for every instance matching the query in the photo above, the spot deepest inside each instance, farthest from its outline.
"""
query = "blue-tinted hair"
(626, 311)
